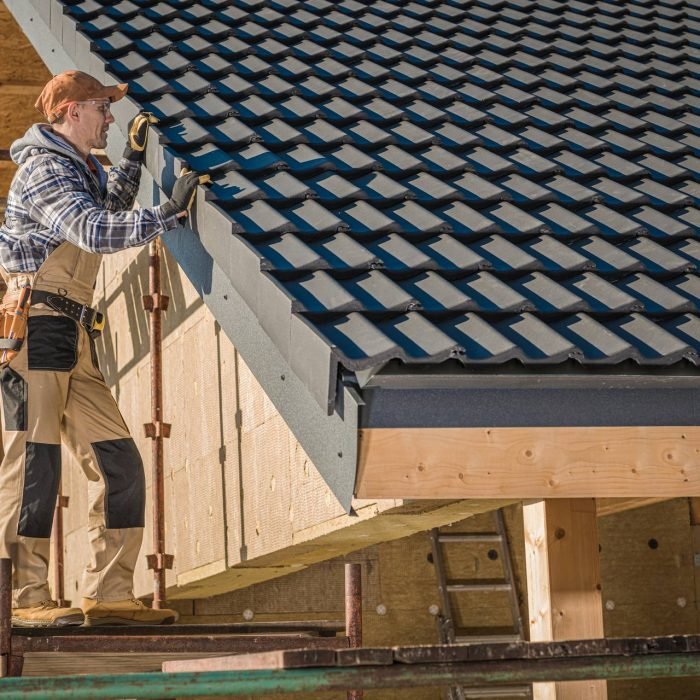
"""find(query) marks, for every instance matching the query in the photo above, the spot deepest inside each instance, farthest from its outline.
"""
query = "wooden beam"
(694, 507)
(619, 462)
(610, 506)
(563, 583)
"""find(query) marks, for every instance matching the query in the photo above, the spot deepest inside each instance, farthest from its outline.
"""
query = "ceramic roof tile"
(483, 181)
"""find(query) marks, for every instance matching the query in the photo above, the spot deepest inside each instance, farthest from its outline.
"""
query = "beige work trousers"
(53, 393)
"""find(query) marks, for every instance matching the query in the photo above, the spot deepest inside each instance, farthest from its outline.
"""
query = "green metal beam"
(235, 683)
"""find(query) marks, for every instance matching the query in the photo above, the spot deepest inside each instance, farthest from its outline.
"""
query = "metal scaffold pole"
(156, 303)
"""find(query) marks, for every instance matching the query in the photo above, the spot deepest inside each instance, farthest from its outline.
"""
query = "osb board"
(20, 63)
(22, 77)
(314, 593)
(635, 573)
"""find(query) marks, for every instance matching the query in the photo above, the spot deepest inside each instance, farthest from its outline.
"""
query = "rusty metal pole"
(353, 613)
(59, 591)
(155, 303)
(5, 616)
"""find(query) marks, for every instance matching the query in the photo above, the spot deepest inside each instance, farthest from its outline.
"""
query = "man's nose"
(109, 118)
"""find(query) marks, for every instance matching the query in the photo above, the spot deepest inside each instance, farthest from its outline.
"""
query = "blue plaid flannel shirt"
(55, 196)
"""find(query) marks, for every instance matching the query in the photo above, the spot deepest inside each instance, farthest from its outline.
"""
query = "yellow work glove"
(138, 136)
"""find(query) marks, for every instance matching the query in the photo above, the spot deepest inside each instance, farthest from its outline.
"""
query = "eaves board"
(330, 439)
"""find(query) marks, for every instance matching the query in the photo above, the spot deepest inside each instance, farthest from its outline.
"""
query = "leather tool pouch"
(5, 342)
(17, 323)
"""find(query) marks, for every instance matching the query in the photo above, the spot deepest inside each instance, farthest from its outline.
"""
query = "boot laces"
(48, 604)
(138, 603)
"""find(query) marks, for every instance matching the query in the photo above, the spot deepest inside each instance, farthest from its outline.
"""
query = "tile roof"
(480, 180)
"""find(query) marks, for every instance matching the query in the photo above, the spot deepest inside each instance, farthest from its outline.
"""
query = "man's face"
(95, 121)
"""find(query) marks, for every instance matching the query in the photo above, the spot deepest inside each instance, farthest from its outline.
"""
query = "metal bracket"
(157, 429)
(156, 302)
(160, 561)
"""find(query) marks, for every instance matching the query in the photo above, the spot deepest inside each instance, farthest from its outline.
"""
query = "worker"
(63, 212)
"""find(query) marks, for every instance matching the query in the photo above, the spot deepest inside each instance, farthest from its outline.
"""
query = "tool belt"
(90, 319)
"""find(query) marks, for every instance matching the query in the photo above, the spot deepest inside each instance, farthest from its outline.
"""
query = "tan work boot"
(47, 614)
(124, 612)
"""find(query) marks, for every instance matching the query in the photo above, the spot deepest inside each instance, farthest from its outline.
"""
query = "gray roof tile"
(483, 181)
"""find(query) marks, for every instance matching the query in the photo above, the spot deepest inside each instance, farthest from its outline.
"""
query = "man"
(63, 213)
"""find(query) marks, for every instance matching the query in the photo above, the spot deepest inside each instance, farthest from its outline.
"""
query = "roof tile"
(484, 181)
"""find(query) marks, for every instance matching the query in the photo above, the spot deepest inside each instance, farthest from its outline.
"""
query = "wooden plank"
(631, 646)
(609, 462)
(224, 644)
(364, 656)
(281, 659)
(610, 506)
(564, 596)
(292, 627)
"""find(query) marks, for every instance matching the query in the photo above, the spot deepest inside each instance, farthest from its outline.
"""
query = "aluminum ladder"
(447, 629)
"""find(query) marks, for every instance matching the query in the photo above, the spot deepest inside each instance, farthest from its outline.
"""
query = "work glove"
(138, 135)
(183, 193)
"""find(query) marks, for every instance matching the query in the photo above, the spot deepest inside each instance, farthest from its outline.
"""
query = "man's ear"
(73, 112)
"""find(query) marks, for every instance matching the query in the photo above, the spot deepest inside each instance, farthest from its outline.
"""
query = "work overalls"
(53, 393)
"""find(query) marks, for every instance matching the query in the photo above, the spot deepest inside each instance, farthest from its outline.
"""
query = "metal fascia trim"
(531, 381)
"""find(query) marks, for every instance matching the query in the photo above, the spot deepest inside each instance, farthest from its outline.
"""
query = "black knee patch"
(125, 483)
(42, 474)
(14, 399)
(52, 343)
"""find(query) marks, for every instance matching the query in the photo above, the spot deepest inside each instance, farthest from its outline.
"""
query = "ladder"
(448, 632)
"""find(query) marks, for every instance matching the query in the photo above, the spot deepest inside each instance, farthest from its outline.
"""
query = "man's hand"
(138, 135)
(183, 193)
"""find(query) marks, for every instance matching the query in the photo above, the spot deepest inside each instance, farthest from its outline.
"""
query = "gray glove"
(183, 194)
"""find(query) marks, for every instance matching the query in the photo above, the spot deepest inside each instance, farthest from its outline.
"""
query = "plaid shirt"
(57, 196)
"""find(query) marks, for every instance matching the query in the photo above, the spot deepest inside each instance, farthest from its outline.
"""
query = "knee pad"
(125, 483)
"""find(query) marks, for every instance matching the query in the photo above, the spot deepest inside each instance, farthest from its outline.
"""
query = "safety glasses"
(102, 107)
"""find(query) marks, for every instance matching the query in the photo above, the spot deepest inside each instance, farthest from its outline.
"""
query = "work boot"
(124, 612)
(47, 614)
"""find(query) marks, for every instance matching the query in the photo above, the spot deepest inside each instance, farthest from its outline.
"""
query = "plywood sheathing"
(22, 75)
